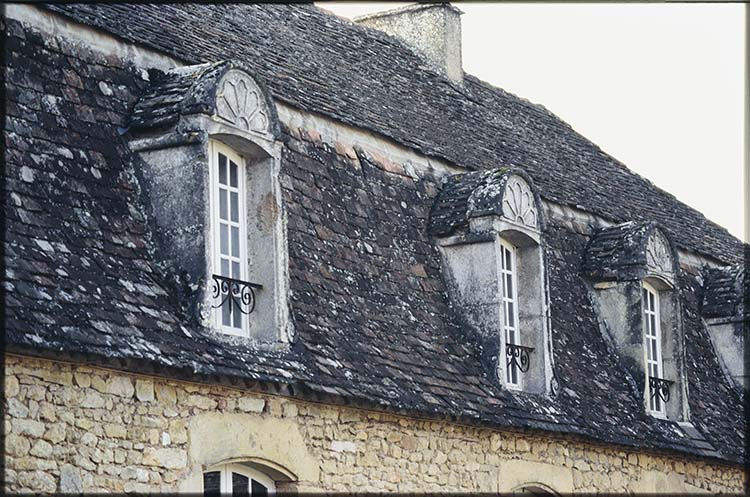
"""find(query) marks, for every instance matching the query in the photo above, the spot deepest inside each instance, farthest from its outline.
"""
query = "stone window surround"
(620, 309)
(269, 325)
(477, 292)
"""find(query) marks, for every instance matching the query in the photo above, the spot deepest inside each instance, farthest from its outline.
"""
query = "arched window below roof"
(237, 480)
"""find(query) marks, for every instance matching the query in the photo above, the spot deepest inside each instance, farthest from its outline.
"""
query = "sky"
(660, 87)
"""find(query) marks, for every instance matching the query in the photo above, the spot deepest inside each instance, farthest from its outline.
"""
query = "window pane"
(236, 270)
(653, 350)
(259, 490)
(211, 484)
(222, 204)
(240, 485)
(222, 169)
(508, 264)
(226, 318)
(651, 305)
(235, 241)
(224, 235)
(235, 207)
(509, 285)
(225, 267)
(237, 317)
(511, 315)
(232, 174)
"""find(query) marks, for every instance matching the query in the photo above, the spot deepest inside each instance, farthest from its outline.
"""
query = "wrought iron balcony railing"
(237, 294)
(518, 356)
(659, 387)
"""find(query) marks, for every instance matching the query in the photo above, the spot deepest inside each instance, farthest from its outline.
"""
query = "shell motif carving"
(658, 253)
(240, 102)
(518, 203)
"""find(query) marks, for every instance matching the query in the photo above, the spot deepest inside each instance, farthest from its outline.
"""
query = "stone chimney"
(432, 30)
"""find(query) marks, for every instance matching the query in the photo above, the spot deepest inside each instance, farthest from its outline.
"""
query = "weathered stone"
(144, 390)
(16, 409)
(11, 386)
(16, 445)
(121, 386)
(47, 412)
(200, 402)
(82, 379)
(55, 433)
(27, 427)
(70, 480)
(250, 404)
(165, 458)
(41, 449)
(37, 480)
(165, 394)
(92, 399)
(115, 430)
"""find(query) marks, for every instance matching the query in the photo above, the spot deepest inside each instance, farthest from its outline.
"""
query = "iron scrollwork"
(235, 293)
(518, 356)
(659, 387)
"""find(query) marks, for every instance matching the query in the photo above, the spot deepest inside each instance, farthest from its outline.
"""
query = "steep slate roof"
(368, 79)
(370, 309)
(726, 292)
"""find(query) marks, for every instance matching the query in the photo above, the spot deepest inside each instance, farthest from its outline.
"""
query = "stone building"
(265, 248)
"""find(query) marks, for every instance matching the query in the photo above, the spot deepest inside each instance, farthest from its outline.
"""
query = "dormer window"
(633, 268)
(652, 348)
(207, 140)
(488, 227)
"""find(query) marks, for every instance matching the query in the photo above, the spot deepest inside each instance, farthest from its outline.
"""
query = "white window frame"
(225, 479)
(513, 375)
(652, 343)
(216, 148)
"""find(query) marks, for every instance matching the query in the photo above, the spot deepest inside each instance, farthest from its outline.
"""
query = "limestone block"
(16, 409)
(55, 433)
(115, 431)
(41, 449)
(201, 402)
(178, 431)
(47, 412)
(82, 379)
(121, 386)
(165, 458)
(38, 481)
(98, 383)
(144, 390)
(165, 394)
(88, 439)
(27, 427)
(343, 446)
(16, 445)
(11, 386)
(58, 377)
(93, 400)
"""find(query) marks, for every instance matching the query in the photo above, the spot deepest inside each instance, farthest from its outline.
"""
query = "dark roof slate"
(368, 79)
(726, 292)
(450, 211)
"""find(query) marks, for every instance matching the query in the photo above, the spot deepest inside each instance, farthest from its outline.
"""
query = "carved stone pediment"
(518, 203)
(239, 101)
(222, 91)
(503, 193)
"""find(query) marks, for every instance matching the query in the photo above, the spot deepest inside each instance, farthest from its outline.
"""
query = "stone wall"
(73, 427)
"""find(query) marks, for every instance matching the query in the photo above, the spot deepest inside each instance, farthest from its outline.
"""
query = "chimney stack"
(433, 30)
